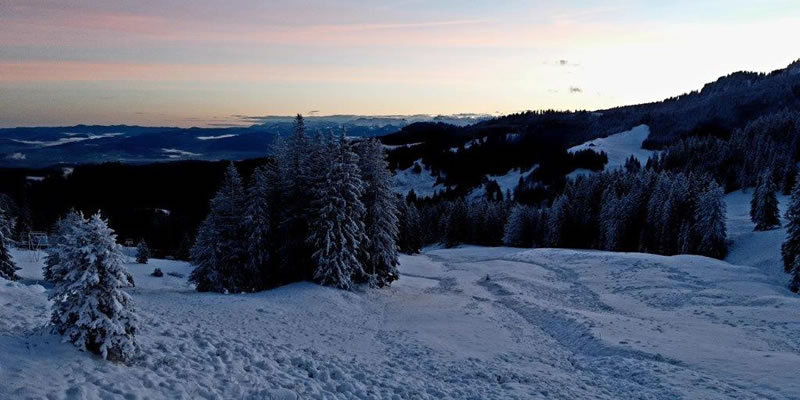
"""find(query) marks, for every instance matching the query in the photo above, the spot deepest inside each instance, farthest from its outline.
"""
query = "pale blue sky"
(193, 63)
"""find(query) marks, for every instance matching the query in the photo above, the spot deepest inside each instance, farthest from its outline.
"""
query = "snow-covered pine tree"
(653, 239)
(380, 219)
(609, 206)
(494, 228)
(257, 226)
(89, 306)
(184, 250)
(685, 239)
(337, 231)
(556, 219)
(410, 237)
(517, 231)
(218, 252)
(478, 217)
(8, 270)
(794, 283)
(293, 158)
(65, 228)
(632, 164)
(677, 209)
(456, 224)
(414, 223)
(790, 249)
(764, 204)
(142, 252)
(709, 226)
(789, 177)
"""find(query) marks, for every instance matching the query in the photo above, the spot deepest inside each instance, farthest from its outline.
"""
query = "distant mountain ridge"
(717, 108)
(45, 146)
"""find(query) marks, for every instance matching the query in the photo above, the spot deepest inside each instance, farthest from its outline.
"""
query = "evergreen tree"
(789, 177)
(657, 211)
(791, 246)
(764, 204)
(89, 306)
(608, 217)
(380, 219)
(517, 231)
(257, 227)
(794, 283)
(8, 270)
(456, 224)
(410, 235)
(679, 208)
(493, 225)
(685, 239)
(184, 250)
(65, 229)
(218, 253)
(294, 164)
(556, 220)
(710, 223)
(142, 252)
(632, 164)
(338, 234)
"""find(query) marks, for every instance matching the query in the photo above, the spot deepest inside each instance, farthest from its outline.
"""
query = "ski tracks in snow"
(466, 323)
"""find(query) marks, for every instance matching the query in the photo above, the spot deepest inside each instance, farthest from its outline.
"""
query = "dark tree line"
(451, 222)
(634, 209)
(625, 210)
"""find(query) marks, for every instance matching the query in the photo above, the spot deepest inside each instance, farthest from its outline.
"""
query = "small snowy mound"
(619, 147)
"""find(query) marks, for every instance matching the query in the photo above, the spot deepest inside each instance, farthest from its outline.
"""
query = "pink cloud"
(37, 71)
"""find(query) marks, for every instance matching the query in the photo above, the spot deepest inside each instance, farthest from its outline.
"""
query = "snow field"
(464, 323)
(619, 147)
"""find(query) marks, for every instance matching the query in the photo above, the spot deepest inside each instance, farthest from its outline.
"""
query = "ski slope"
(464, 323)
(619, 147)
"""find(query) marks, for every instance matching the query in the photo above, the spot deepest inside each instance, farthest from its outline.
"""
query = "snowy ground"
(758, 249)
(507, 182)
(466, 323)
(619, 147)
(423, 183)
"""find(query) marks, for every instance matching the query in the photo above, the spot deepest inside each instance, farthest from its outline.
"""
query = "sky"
(203, 63)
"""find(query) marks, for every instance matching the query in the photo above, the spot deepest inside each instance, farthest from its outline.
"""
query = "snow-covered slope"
(423, 183)
(481, 323)
(619, 147)
(758, 249)
(506, 182)
(471, 322)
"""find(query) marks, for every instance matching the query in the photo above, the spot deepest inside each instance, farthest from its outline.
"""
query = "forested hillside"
(462, 156)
